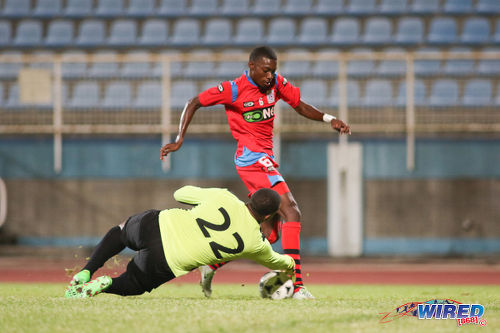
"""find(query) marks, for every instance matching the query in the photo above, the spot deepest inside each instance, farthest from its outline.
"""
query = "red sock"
(275, 234)
(217, 266)
(290, 240)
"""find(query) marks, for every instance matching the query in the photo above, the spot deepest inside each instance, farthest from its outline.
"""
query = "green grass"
(234, 308)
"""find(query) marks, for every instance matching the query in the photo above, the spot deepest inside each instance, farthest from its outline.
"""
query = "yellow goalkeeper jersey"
(219, 228)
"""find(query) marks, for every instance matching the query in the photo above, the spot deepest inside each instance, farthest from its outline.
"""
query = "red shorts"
(262, 174)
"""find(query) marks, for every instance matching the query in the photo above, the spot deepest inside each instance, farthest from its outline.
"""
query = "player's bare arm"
(313, 113)
(187, 114)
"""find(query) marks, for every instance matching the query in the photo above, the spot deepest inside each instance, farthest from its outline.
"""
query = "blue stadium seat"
(314, 91)
(426, 67)
(329, 7)
(91, 33)
(392, 67)
(186, 32)
(42, 59)
(203, 8)
(378, 93)
(104, 65)
(28, 33)
(459, 66)
(175, 66)
(357, 68)
(228, 70)
(266, 7)
(419, 94)
(135, 69)
(345, 31)
(296, 68)
(425, 7)
(123, 33)
(488, 7)
(443, 30)
(489, 66)
(444, 93)
(141, 8)
(17, 8)
(5, 33)
(76, 69)
(109, 8)
(297, 7)
(172, 8)
(10, 70)
(199, 69)
(352, 94)
(148, 95)
(281, 31)
(154, 33)
(326, 68)
(458, 7)
(496, 37)
(118, 94)
(60, 33)
(235, 8)
(47, 8)
(497, 98)
(313, 31)
(181, 92)
(410, 31)
(78, 8)
(477, 93)
(377, 31)
(13, 101)
(217, 32)
(361, 7)
(249, 31)
(393, 7)
(1, 95)
(476, 31)
(85, 95)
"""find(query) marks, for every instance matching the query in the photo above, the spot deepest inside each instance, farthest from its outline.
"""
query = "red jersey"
(250, 113)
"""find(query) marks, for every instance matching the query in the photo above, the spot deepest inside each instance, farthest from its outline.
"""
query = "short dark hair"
(265, 201)
(262, 52)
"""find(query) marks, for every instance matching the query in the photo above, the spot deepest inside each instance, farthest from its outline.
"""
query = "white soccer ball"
(276, 285)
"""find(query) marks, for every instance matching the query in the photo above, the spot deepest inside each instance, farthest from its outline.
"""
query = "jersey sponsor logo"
(220, 87)
(270, 97)
(248, 104)
(255, 116)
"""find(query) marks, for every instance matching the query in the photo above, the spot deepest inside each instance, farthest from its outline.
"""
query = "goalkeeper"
(172, 242)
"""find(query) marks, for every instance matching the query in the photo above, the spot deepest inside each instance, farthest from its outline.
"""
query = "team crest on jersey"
(285, 81)
(248, 104)
(220, 87)
(270, 97)
(255, 116)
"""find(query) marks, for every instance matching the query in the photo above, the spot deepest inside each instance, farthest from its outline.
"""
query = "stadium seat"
(42, 59)
(17, 8)
(314, 91)
(377, 31)
(477, 93)
(235, 8)
(266, 7)
(313, 31)
(410, 31)
(419, 94)
(28, 33)
(181, 92)
(13, 101)
(203, 8)
(186, 32)
(424, 67)
(5, 33)
(497, 98)
(47, 8)
(148, 95)
(172, 8)
(345, 31)
(231, 69)
(281, 31)
(118, 94)
(425, 7)
(393, 7)
(443, 30)
(154, 33)
(359, 68)
(104, 65)
(249, 31)
(459, 66)
(135, 69)
(78, 8)
(109, 8)
(296, 68)
(392, 67)
(352, 94)
(458, 7)
(1, 95)
(60, 33)
(77, 69)
(175, 66)
(489, 66)
(361, 7)
(10, 70)
(91, 33)
(85, 95)
(488, 7)
(444, 93)
(326, 68)
(141, 8)
(378, 93)
(123, 33)
(297, 7)
(496, 37)
(476, 31)
(197, 68)
(329, 7)
(217, 32)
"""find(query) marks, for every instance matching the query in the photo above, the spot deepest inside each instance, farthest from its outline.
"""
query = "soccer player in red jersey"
(249, 101)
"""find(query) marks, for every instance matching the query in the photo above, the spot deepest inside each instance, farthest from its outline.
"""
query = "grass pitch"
(235, 308)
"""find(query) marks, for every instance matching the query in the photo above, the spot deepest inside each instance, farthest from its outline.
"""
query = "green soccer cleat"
(89, 289)
(207, 275)
(303, 293)
(80, 278)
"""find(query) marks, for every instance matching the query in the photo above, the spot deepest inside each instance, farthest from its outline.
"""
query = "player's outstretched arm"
(313, 113)
(187, 114)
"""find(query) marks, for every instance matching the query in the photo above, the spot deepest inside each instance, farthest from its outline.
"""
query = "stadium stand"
(444, 93)
(60, 33)
(459, 67)
(74, 70)
(329, 7)
(85, 95)
(105, 65)
(427, 67)
(476, 31)
(135, 69)
(353, 95)
(419, 94)
(47, 8)
(359, 68)
(28, 33)
(410, 31)
(345, 31)
(109, 8)
(118, 94)
(199, 69)
(92, 33)
(249, 31)
(172, 8)
(477, 93)
(281, 32)
(266, 7)
(154, 33)
(296, 68)
(181, 92)
(443, 30)
(17, 8)
(203, 8)
(457, 6)
(235, 8)
(186, 32)
(148, 95)
(122, 33)
(5, 33)
(392, 67)
(218, 32)
(228, 70)
(297, 7)
(377, 31)
(326, 68)
(425, 7)
(78, 8)
(10, 70)
(378, 93)
(488, 7)
(393, 7)
(314, 91)
(361, 7)
(489, 67)
(313, 31)
(141, 8)
(496, 37)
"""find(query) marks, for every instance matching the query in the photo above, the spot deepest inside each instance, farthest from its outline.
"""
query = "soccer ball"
(276, 285)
